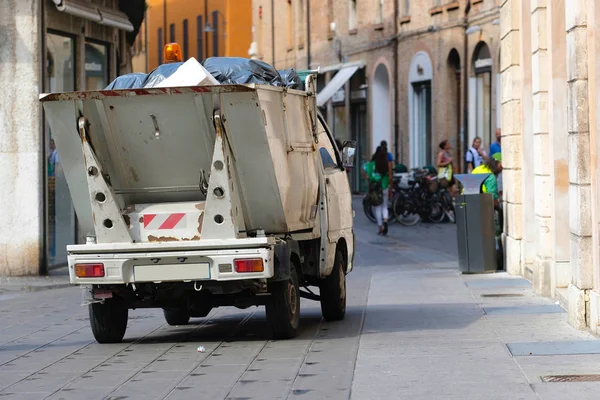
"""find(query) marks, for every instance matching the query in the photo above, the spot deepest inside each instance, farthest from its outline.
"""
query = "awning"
(115, 19)
(103, 16)
(344, 74)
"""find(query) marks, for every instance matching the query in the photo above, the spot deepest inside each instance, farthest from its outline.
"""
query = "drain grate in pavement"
(571, 378)
(502, 295)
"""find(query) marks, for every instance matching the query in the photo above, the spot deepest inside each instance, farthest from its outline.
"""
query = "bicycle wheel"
(403, 213)
(436, 210)
(368, 210)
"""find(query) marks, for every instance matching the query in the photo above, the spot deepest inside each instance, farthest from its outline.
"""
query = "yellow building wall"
(234, 30)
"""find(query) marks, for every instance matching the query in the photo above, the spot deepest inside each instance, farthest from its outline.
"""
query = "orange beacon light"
(172, 53)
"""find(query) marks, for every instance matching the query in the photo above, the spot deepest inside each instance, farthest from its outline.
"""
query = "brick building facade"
(409, 57)
(550, 79)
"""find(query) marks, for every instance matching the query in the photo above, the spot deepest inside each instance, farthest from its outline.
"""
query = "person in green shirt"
(492, 166)
(379, 173)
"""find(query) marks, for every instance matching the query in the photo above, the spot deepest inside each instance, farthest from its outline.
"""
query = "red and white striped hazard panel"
(165, 221)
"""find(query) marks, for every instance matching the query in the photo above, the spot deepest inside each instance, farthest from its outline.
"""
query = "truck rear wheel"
(333, 291)
(283, 308)
(108, 320)
(175, 316)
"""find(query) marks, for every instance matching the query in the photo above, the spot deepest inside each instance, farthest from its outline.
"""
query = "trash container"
(475, 226)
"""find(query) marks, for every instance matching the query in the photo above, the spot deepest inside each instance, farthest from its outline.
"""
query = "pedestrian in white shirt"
(475, 155)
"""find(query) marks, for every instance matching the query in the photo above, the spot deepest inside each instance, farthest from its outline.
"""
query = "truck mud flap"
(283, 263)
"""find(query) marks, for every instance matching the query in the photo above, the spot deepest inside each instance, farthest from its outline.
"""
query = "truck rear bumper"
(170, 266)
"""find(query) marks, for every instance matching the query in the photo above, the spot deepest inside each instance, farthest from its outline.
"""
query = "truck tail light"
(249, 265)
(89, 270)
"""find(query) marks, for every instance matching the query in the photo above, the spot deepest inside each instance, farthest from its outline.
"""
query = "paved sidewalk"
(55, 279)
(436, 334)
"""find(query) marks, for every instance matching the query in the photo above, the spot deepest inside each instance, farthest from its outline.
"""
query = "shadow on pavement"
(226, 329)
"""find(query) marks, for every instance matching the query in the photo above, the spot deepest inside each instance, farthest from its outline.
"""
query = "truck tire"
(108, 321)
(283, 308)
(333, 291)
(175, 316)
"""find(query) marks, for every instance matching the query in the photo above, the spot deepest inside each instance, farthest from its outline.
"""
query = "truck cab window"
(326, 149)
(326, 158)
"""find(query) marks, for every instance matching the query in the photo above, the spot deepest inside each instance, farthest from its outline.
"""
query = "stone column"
(21, 183)
(579, 162)
(559, 152)
(593, 17)
(542, 183)
(511, 132)
(528, 252)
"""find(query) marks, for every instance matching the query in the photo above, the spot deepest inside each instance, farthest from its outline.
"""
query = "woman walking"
(379, 173)
(445, 165)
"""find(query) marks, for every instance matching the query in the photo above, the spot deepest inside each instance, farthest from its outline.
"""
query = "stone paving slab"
(567, 391)
(555, 348)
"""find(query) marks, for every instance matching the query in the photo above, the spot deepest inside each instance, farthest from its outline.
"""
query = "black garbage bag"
(128, 81)
(291, 79)
(161, 73)
(237, 70)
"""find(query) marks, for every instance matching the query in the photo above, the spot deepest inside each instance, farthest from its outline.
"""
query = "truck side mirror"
(348, 153)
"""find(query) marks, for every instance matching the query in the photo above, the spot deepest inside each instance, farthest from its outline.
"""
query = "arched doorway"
(453, 110)
(381, 109)
(482, 101)
(420, 110)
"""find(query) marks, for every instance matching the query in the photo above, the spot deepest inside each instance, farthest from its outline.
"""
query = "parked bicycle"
(421, 200)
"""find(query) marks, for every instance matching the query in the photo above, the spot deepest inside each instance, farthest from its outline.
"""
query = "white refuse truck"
(191, 198)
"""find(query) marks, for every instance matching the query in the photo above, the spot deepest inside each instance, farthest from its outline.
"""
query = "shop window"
(61, 221)
(352, 16)
(172, 33)
(215, 33)
(185, 40)
(96, 66)
(160, 46)
(406, 10)
(340, 127)
(483, 94)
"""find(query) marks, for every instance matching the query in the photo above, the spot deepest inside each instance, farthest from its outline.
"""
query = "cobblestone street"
(415, 329)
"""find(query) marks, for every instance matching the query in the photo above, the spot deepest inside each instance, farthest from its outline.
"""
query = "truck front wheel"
(283, 308)
(176, 317)
(333, 291)
(108, 320)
